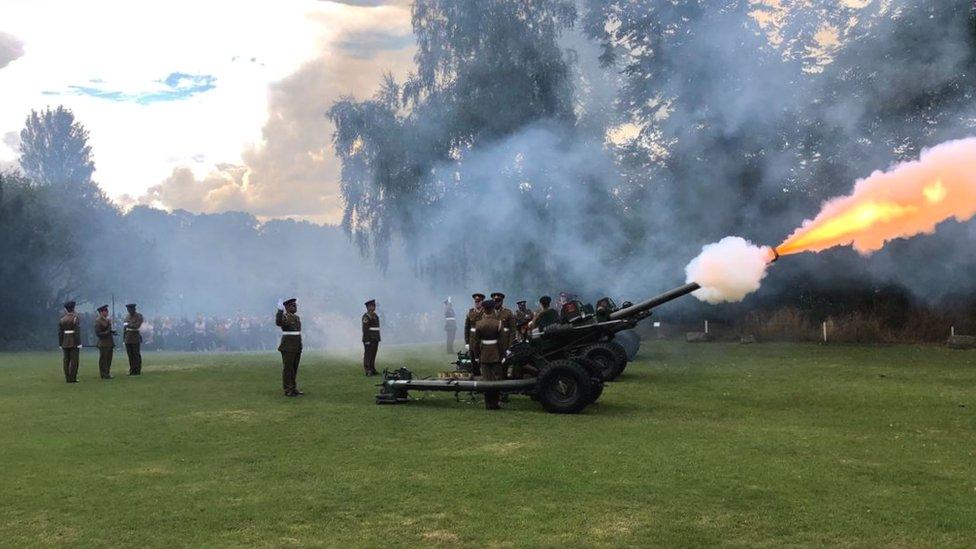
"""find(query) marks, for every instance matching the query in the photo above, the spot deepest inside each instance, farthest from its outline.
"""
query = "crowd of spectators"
(258, 333)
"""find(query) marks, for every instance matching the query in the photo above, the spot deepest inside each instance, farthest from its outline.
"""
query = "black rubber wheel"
(564, 387)
(630, 341)
(610, 356)
(592, 367)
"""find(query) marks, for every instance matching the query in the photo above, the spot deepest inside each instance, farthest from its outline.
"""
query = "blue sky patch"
(176, 86)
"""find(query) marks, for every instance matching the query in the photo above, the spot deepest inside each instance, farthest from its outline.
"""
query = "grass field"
(696, 445)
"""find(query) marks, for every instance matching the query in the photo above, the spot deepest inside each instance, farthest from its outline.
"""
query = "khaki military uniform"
(290, 349)
(507, 318)
(473, 316)
(133, 342)
(450, 328)
(106, 346)
(69, 339)
(486, 343)
(371, 341)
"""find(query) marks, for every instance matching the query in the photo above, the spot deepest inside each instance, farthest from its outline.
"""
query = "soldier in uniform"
(371, 337)
(507, 319)
(474, 314)
(450, 325)
(290, 346)
(523, 316)
(69, 339)
(106, 343)
(544, 316)
(133, 339)
(486, 344)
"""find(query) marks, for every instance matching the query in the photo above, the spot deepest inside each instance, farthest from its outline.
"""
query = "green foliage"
(697, 446)
(484, 71)
(60, 235)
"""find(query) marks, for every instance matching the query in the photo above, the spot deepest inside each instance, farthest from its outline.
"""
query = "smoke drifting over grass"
(728, 270)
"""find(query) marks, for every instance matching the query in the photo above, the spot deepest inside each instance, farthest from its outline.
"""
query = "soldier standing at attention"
(371, 337)
(450, 325)
(507, 318)
(290, 346)
(69, 339)
(133, 339)
(523, 316)
(486, 344)
(106, 343)
(473, 316)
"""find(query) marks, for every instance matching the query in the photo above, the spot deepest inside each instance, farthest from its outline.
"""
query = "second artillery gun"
(563, 366)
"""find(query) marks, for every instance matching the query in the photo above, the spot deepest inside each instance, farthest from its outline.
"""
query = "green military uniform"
(371, 339)
(105, 343)
(486, 343)
(546, 317)
(133, 339)
(69, 339)
(450, 326)
(290, 348)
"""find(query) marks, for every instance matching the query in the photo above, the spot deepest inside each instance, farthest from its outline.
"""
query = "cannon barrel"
(655, 301)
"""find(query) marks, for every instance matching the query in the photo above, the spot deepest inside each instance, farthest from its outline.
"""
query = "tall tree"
(54, 149)
(485, 72)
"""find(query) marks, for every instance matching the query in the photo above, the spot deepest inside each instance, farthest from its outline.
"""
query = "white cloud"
(256, 51)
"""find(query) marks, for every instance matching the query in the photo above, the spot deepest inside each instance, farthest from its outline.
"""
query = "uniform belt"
(374, 329)
(66, 332)
(291, 333)
(472, 330)
(449, 318)
(489, 341)
(132, 329)
(504, 329)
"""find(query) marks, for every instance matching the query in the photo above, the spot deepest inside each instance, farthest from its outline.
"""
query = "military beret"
(370, 302)
(488, 304)
(130, 305)
(477, 295)
(102, 308)
(497, 294)
(289, 301)
(69, 305)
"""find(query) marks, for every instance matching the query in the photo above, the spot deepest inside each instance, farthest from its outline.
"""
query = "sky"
(206, 106)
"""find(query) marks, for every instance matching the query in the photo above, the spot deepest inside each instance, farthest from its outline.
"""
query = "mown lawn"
(711, 444)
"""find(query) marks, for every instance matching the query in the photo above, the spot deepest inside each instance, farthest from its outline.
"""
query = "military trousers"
(70, 363)
(105, 361)
(135, 358)
(492, 371)
(369, 356)
(450, 341)
(289, 371)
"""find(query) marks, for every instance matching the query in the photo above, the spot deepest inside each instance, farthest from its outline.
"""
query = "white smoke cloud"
(728, 270)
(11, 48)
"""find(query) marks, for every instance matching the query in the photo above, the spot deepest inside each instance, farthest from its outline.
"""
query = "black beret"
(69, 305)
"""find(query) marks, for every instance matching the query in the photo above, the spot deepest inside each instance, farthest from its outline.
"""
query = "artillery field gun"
(563, 367)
